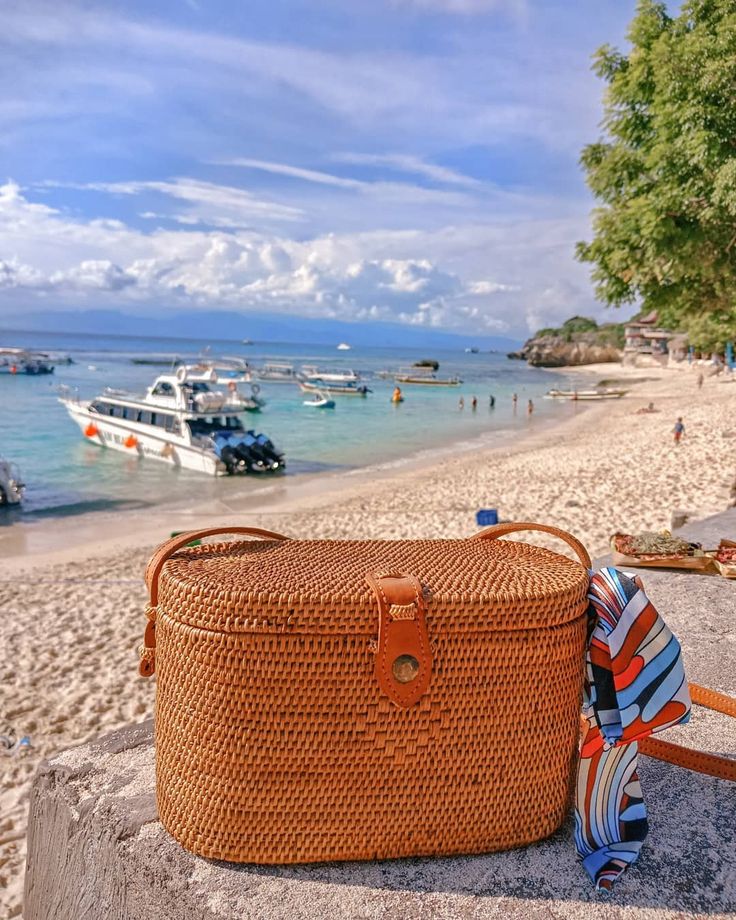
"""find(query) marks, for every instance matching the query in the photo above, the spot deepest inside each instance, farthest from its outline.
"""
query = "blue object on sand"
(486, 517)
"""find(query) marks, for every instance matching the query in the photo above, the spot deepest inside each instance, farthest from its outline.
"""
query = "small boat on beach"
(11, 485)
(321, 400)
(183, 420)
(424, 376)
(597, 393)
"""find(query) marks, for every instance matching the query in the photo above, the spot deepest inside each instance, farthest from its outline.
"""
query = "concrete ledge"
(96, 849)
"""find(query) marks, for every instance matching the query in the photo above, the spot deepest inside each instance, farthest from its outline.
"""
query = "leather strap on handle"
(500, 530)
(691, 759)
(153, 571)
(167, 549)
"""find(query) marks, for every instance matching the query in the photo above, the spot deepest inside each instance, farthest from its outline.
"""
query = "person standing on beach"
(492, 401)
(529, 408)
(678, 430)
(514, 400)
(700, 380)
(461, 404)
(474, 403)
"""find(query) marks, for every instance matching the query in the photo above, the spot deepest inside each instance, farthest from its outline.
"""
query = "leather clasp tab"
(404, 656)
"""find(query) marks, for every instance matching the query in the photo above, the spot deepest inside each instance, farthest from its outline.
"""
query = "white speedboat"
(425, 376)
(11, 486)
(321, 400)
(183, 419)
(343, 346)
(277, 373)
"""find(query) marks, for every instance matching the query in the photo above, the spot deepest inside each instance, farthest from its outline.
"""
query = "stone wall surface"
(96, 849)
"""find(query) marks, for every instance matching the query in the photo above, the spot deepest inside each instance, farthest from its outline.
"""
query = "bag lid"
(319, 586)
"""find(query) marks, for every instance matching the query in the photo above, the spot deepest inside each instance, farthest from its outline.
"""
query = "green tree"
(665, 169)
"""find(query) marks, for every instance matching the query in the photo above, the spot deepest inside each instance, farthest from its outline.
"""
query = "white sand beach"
(72, 617)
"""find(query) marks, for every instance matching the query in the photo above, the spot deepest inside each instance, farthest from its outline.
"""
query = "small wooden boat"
(598, 393)
(333, 388)
(321, 401)
(424, 376)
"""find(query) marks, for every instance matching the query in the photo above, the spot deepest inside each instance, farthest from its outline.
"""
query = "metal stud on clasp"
(405, 668)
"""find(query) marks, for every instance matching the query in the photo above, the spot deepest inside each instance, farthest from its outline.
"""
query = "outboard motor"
(226, 450)
(267, 447)
(247, 451)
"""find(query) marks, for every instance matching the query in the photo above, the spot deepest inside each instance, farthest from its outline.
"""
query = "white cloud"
(206, 202)
(95, 275)
(381, 192)
(499, 275)
(409, 164)
(295, 172)
(467, 7)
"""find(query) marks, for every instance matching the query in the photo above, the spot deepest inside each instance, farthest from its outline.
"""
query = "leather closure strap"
(404, 657)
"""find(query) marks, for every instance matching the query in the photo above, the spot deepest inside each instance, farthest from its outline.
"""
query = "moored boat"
(597, 393)
(424, 376)
(334, 388)
(277, 373)
(313, 374)
(235, 372)
(182, 420)
(21, 361)
(321, 400)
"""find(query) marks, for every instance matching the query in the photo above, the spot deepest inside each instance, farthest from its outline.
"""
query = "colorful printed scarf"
(635, 686)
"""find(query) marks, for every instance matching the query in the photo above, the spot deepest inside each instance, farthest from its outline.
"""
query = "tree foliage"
(608, 334)
(665, 169)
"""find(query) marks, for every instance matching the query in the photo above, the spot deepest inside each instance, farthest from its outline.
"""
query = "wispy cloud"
(378, 190)
(293, 172)
(467, 7)
(209, 203)
(406, 163)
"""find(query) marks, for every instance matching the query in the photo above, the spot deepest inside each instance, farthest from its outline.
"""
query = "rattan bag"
(333, 700)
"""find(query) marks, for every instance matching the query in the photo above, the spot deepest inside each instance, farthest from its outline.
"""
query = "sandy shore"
(72, 618)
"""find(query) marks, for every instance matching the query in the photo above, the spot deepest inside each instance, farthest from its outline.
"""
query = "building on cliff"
(648, 344)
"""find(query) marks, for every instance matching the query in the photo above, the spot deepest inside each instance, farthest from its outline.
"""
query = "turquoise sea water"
(65, 475)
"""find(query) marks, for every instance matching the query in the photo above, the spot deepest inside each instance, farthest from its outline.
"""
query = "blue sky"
(410, 161)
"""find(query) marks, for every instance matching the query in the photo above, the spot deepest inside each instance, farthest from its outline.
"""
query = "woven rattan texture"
(320, 586)
(279, 748)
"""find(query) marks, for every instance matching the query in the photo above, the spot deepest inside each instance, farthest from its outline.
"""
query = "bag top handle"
(167, 549)
(500, 530)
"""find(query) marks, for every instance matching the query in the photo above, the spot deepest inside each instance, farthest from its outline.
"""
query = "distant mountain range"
(212, 324)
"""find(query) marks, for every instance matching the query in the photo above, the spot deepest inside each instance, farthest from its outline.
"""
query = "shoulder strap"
(691, 759)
